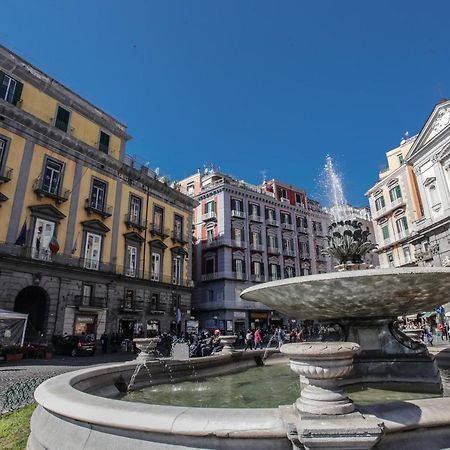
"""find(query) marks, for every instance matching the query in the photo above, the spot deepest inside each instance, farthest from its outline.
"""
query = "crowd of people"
(429, 329)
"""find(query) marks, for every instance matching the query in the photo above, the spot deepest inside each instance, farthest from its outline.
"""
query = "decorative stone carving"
(441, 121)
(322, 363)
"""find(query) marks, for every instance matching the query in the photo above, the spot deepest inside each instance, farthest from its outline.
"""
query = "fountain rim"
(346, 275)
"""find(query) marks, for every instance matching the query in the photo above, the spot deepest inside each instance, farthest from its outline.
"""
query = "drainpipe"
(57, 306)
(145, 232)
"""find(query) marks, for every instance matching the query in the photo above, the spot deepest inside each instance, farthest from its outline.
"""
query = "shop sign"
(85, 319)
(240, 315)
(229, 325)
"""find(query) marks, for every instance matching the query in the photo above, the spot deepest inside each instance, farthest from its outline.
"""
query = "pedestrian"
(445, 331)
(258, 339)
(428, 334)
(248, 340)
(440, 330)
(104, 342)
(280, 337)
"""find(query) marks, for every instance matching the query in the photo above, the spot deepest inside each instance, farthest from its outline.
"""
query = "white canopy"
(12, 327)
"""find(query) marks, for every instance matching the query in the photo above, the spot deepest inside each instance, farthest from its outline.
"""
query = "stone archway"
(34, 301)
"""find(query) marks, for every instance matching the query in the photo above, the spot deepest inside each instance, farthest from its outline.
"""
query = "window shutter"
(104, 142)
(2, 89)
(17, 92)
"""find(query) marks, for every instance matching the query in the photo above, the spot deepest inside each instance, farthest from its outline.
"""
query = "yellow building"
(89, 241)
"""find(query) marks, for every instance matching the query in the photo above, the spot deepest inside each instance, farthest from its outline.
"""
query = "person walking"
(104, 342)
(280, 337)
(258, 339)
(248, 340)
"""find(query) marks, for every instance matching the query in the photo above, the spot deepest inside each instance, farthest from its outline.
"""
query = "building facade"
(395, 207)
(88, 241)
(246, 234)
(430, 159)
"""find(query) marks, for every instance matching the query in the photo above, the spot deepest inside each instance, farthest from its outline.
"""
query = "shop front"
(85, 324)
(240, 321)
(259, 319)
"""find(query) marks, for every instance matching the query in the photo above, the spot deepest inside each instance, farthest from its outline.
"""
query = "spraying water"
(332, 185)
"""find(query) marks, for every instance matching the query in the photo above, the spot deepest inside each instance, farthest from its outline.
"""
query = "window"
(52, 176)
(433, 195)
(62, 118)
(210, 265)
(239, 268)
(385, 232)
(158, 219)
(400, 158)
(257, 269)
(236, 234)
(285, 218)
(209, 207)
(131, 261)
(290, 272)
(3, 146)
(98, 195)
(304, 249)
(402, 226)
(298, 199)
(43, 234)
(210, 295)
(92, 251)
(379, 203)
(176, 270)
(156, 266)
(407, 254)
(317, 227)
(256, 238)
(272, 241)
(178, 227)
(288, 245)
(254, 209)
(128, 299)
(135, 209)
(154, 302)
(10, 89)
(395, 193)
(210, 234)
(103, 144)
(270, 214)
(390, 258)
(237, 205)
(274, 271)
(190, 190)
(282, 193)
(87, 294)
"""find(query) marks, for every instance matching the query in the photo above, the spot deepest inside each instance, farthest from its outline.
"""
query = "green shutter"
(17, 92)
(383, 203)
(62, 118)
(391, 195)
(104, 142)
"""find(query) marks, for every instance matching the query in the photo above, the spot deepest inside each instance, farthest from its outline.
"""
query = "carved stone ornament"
(441, 121)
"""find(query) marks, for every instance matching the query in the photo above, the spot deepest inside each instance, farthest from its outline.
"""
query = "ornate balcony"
(60, 195)
(134, 221)
(5, 174)
(94, 208)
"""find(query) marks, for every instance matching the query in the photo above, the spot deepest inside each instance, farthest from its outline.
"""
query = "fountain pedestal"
(147, 347)
(228, 343)
(327, 417)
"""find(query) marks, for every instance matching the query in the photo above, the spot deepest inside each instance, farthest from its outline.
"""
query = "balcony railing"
(304, 255)
(274, 277)
(256, 247)
(273, 250)
(238, 244)
(211, 215)
(403, 234)
(287, 225)
(5, 174)
(224, 275)
(272, 222)
(60, 195)
(93, 207)
(396, 202)
(255, 218)
(131, 306)
(219, 242)
(302, 229)
(178, 236)
(159, 230)
(134, 221)
(82, 301)
(288, 252)
(236, 213)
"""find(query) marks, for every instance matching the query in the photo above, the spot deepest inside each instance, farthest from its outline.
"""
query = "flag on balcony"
(21, 239)
(53, 245)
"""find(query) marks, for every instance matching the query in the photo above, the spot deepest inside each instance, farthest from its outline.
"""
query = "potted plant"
(13, 353)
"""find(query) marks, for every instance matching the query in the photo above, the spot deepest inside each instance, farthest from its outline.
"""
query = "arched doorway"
(33, 301)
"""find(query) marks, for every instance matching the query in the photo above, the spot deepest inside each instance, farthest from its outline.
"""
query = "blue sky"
(250, 86)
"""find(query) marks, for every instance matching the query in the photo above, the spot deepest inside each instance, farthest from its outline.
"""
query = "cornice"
(16, 66)
(68, 146)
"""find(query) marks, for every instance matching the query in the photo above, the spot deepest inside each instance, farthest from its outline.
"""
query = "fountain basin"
(356, 294)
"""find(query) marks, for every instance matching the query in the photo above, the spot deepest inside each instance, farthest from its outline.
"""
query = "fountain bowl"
(356, 294)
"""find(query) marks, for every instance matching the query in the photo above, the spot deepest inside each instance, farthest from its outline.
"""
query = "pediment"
(96, 226)
(47, 211)
(156, 243)
(132, 236)
(436, 124)
(3, 197)
(179, 251)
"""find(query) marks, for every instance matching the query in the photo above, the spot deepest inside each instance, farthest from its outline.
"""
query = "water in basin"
(259, 387)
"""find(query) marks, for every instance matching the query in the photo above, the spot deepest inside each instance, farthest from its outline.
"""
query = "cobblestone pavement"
(18, 380)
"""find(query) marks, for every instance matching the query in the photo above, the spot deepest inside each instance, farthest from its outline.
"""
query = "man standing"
(104, 342)
(258, 339)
